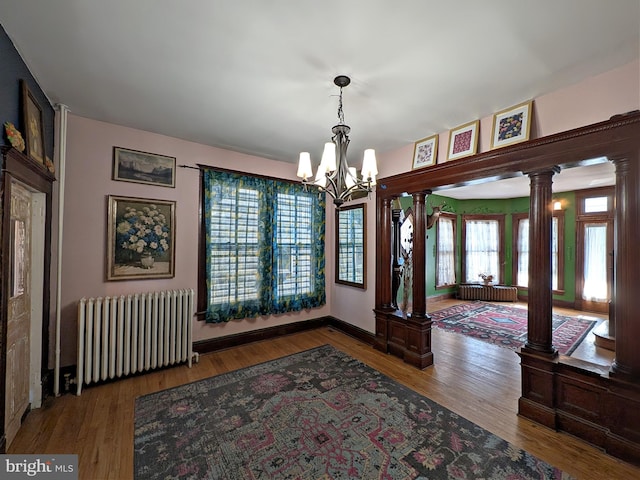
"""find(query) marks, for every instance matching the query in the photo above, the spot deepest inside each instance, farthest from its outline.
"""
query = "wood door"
(19, 311)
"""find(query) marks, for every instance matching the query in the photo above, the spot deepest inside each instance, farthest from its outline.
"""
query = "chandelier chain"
(340, 111)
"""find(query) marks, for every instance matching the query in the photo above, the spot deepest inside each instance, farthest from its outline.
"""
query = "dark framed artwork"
(140, 238)
(32, 124)
(351, 245)
(143, 167)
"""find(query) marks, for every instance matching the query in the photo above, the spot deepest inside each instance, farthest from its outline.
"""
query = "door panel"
(19, 311)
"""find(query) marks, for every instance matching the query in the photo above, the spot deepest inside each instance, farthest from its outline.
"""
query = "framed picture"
(32, 124)
(463, 140)
(140, 238)
(425, 152)
(511, 125)
(142, 167)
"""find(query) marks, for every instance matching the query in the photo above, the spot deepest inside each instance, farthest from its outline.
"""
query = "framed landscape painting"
(511, 125)
(140, 238)
(425, 152)
(143, 167)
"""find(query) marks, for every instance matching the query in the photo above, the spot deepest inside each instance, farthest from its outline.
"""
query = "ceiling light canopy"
(334, 175)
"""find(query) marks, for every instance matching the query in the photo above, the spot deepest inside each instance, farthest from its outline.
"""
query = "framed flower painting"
(511, 125)
(425, 152)
(141, 238)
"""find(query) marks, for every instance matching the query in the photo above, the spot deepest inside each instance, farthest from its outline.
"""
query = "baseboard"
(228, 341)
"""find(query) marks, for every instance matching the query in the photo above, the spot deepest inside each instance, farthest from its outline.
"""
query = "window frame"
(515, 221)
(202, 290)
(353, 232)
(454, 221)
(500, 218)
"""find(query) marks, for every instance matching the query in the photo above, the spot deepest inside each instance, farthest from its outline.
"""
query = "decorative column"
(383, 274)
(418, 330)
(384, 255)
(626, 269)
(538, 357)
(540, 311)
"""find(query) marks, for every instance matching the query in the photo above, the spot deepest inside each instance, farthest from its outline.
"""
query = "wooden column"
(383, 274)
(540, 316)
(419, 255)
(627, 267)
(384, 268)
(418, 325)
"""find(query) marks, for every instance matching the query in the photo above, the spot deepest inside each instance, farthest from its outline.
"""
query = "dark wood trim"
(555, 391)
(228, 341)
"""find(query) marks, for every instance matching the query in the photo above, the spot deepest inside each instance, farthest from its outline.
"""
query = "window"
(521, 250)
(446, 249)
(351, 246)
(263, 247)
(482, 247)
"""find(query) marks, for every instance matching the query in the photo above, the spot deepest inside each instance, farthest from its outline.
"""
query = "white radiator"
(119, 336)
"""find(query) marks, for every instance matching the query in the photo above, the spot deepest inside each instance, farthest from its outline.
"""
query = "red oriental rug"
(506, 326)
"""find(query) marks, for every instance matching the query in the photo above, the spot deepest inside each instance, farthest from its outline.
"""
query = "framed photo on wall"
(511, 125)
(143, 167)
(463, 141)
(140, 238)
(425, 152)
(32, 124)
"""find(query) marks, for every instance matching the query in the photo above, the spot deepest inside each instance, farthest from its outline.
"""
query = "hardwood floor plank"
(480, 382)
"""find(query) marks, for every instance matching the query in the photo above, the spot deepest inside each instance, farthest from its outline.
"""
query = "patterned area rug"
(319, 414)
(506, 326)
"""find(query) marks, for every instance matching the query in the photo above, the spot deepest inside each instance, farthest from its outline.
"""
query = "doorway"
(594, 249)
(23, 384)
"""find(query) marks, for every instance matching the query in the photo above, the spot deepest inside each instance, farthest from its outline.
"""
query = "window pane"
(482, 247)
(233, 248)
(595, 262)
(446, 271)
(293, 250)
(522, 275)
(350, 226)
(522, 278)
(596, 204)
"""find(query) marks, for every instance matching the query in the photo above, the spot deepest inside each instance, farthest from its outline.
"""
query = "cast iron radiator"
(491, 293)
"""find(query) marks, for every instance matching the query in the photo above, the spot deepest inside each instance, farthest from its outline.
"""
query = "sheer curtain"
(522, 278)
(446, 273)
(482, 248)
(595, 262)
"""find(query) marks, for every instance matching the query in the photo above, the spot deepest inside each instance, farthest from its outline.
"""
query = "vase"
(147, 261)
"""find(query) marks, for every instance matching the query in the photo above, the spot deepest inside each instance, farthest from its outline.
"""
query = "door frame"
(583, 219)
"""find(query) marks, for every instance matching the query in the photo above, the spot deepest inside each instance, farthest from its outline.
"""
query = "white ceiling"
(256, 76)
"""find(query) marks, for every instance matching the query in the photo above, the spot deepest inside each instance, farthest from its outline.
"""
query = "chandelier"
(334, 175)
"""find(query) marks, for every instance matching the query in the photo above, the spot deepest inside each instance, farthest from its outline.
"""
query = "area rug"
(318, 414)
(506, 326)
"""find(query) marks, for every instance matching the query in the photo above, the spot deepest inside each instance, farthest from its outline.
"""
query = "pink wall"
(88, 183)
(590, 101)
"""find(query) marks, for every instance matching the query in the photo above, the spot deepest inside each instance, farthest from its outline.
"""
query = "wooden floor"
(481, 382)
